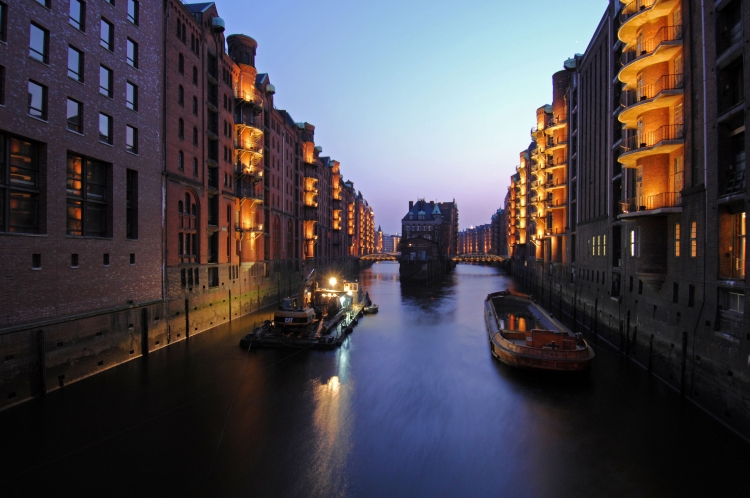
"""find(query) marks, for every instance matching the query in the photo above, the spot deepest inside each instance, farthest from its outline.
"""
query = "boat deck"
(523, 334)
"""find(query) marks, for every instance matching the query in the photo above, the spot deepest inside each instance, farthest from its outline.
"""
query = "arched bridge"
(383, 256)
(478, 258)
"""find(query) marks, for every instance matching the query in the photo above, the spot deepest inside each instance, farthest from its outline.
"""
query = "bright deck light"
(332, 281)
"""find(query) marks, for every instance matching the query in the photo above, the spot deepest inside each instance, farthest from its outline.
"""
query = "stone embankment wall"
(41, 357)
(666, 343)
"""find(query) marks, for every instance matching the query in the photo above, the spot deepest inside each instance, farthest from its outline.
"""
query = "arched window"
(187, 246)
(195, 105)
(195, 75)
(195, 135)
(180, 161)
(181, 95)
(181, 128)
(181, 64)
(276, 238)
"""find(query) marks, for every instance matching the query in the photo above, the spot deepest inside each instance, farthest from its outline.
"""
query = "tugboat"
(521, 334)
(317, 318)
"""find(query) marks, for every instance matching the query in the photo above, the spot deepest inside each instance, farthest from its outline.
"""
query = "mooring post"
(650, 352)
(684, 362)
(42, 362)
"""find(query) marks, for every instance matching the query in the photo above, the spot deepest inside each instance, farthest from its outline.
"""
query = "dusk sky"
(417, 99)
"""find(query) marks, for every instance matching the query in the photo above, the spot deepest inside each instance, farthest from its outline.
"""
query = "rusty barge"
(522, 334)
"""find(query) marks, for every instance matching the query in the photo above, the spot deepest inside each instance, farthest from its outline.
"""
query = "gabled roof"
(422, 208)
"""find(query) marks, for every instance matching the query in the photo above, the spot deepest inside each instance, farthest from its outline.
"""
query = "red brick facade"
(149, 188)
(652, 256)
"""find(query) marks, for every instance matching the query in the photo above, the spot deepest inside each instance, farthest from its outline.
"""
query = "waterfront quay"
(412, 404)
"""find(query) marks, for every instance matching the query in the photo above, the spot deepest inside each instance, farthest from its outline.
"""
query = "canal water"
(412, 404)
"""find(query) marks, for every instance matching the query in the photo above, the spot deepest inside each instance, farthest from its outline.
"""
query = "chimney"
(411, 205)
(432, 205)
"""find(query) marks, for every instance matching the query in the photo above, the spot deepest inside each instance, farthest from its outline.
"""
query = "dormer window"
(411, 216)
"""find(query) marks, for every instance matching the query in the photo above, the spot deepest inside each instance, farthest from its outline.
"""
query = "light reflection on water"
(412, 404)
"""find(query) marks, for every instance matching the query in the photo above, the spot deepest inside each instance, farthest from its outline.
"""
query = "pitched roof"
(422, 208)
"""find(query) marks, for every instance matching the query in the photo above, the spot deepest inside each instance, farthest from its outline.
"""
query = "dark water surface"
(412, 404)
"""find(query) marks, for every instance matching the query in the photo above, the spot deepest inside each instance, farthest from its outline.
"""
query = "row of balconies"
(248, 96)
(663, 140)
(665, 34)
(248, 227)
(651, 202)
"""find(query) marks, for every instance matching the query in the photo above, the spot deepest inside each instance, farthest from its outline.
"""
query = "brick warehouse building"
(184, 211)
(81, 182)
(650, 175)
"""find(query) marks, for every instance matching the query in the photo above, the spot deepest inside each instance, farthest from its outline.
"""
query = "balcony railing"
(553, 203)
(666, 82)
(555, 183)
(246, 169)
(248, 191)
(249, 227)
(634, 8)
(650, 202)
(556, 121)
(249, 121)
(554, 231)
(248, 145)
(665, 34)
(653, 138)
(249, 96)
(551, 142)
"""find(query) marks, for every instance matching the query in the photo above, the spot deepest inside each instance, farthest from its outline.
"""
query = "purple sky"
(429, 99)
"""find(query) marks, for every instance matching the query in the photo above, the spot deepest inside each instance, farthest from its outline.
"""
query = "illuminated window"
(19, 186)
(604, 245)
(693, 239)
(677, 236)
(88, 196)
(739, 245)
(633, 243)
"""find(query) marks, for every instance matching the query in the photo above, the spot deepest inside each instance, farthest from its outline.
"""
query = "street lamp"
(332, 281)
